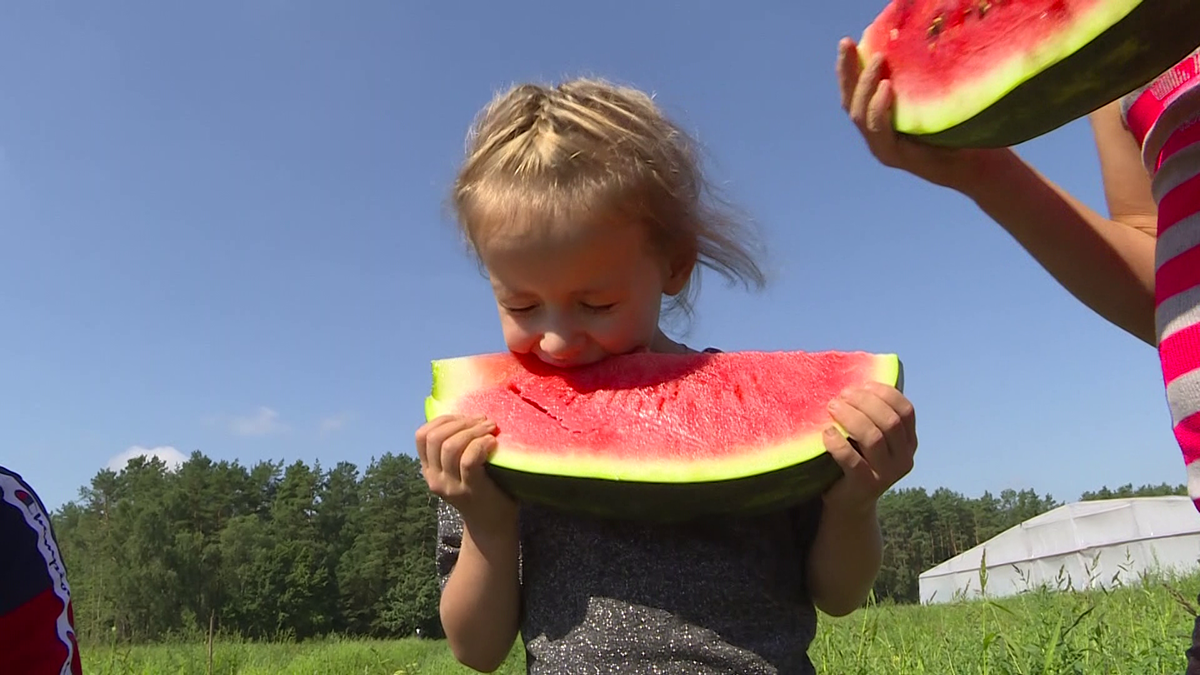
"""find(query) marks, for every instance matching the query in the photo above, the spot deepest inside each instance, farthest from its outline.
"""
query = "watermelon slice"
(995, 73)
(659, 436)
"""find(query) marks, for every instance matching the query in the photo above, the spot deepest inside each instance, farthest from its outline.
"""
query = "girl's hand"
(867, 98)
(881, 421)
(452, 450)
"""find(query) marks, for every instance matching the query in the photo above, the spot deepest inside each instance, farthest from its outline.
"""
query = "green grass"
(323, 657)
(1140, 629)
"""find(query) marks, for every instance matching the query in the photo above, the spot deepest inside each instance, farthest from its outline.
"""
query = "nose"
(560, 344)
(555, 343)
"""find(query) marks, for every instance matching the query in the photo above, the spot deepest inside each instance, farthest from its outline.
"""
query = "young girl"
(1140, 267)
(587, 208)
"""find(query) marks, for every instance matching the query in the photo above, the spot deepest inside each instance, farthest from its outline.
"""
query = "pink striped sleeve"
(1177, 289)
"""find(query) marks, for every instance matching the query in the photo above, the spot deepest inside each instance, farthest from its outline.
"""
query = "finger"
(476, 455)
(427, 439)
(853, 464)
(864, 90)
(456, 445)
(883, 415)
(422, 435)
(420, 438)
(871, 441)
(848, 70)
(901, 405)
(879, 108)
(435, 439)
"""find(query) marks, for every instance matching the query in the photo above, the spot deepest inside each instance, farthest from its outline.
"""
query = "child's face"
(578, 294)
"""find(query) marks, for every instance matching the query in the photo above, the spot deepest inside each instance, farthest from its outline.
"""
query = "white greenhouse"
(1081, 545)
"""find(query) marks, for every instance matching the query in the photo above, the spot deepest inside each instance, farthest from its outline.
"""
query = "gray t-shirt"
(723, 595)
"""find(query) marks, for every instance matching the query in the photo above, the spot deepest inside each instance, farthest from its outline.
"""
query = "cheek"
(629, 330)
(517, 337)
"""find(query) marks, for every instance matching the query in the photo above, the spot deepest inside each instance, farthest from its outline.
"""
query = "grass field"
(1139, 629)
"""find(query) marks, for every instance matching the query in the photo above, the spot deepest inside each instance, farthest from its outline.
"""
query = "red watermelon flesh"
(951, 60)
(935, 47)
(656, 417)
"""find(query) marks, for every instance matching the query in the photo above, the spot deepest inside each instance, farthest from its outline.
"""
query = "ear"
(678, 272)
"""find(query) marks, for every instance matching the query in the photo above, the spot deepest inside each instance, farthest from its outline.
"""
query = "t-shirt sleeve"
(449, 541)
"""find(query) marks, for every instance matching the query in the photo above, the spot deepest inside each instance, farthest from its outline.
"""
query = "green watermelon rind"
(456, 376)
(938, 114)
(1123, 56)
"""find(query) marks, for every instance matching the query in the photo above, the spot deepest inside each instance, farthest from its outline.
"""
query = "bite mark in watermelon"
(995, 73)
(659, 436)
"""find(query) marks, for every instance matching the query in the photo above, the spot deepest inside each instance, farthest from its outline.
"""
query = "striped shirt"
(1164, 117)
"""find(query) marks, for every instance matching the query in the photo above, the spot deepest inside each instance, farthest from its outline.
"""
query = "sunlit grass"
(1142, 628)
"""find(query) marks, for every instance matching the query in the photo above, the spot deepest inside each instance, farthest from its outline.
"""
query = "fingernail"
(834, 404)
(831, 432)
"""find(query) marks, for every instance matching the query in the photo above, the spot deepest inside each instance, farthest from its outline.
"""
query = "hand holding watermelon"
(453, 450)
(881, 421)
(867, 97)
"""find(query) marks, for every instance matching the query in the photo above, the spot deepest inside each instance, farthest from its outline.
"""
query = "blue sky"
(222, 227)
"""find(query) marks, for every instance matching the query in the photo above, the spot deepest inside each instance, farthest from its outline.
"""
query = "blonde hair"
(588, 149)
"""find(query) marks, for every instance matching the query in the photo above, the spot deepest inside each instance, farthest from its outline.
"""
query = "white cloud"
(264, 422)
(168, 454)
(334, 423)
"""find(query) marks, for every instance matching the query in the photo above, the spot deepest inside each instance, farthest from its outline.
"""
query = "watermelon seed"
(984, 6)
(935, 28)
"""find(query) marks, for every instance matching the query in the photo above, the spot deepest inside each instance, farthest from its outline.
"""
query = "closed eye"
(599, 308)
(519, 310)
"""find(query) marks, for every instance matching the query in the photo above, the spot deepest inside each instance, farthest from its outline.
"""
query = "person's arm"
(845, 558)
(478, 547)
(480, 601)
(1107, 263)
(1127, 189)
(847, 551)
